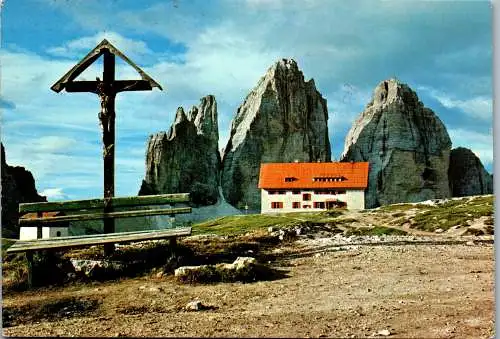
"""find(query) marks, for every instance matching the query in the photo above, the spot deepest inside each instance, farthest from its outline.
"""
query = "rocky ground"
(425, 284)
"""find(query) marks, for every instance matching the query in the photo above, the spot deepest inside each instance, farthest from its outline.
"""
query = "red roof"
(34, 215)
(303, 175)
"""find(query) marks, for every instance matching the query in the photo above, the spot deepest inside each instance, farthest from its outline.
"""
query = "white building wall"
(27, 233)
(52, 232)
(30, 233)
(355, 199)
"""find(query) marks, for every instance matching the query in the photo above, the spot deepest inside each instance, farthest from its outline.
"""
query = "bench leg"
(173, 242)
(29, 259)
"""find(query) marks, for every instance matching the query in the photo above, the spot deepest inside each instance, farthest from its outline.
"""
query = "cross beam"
(106, 89)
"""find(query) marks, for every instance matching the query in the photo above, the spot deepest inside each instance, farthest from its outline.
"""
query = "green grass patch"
(454, 212)
(400, 207)
(376, 230)
(240, 224)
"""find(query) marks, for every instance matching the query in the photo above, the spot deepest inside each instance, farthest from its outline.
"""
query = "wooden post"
(107, 96)
(29, 259)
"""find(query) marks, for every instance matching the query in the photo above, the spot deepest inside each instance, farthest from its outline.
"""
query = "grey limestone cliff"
(18, 186)
(467, 174)
(186, 159)
(406, 144)
(284, 118)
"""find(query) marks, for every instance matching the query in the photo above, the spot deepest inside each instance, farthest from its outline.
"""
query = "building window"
(306, 197)
(306, 206)
(295, 192)
(340, 192)
(290, 179)
(278, 204)
(281, 192)
(296, 205)
(319, 204)
(329, 179)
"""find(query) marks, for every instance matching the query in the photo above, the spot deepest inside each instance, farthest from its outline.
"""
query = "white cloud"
(54, 194)
(480, 107)
(53, 144)
(79, 47)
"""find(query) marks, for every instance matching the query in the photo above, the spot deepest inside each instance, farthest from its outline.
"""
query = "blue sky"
(442, 49)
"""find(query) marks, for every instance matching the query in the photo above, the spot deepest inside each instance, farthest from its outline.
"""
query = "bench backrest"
(93, 204)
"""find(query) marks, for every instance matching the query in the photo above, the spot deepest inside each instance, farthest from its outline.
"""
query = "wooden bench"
(86, 210)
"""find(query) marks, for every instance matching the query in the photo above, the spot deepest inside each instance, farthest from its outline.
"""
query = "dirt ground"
(412, 290)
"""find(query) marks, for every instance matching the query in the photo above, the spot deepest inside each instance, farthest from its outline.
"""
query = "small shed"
(60, 229)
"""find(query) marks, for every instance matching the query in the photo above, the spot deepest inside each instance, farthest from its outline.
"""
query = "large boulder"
(284, 118)
(18, 186)
(406, 144)
(186, 159)
(467, 175)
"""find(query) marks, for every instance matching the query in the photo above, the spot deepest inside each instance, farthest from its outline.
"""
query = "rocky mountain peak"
(205, 117)
(186, 159)
(405, 143)
(392, 90)
(283, 118)
(467, 174)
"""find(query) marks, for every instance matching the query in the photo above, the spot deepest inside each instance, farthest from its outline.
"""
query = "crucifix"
(106, 89)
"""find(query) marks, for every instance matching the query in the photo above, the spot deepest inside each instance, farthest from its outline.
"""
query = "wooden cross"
(106, 89)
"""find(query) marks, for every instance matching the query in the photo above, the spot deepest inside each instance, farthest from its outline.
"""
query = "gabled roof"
(92, 56)
(313, 175)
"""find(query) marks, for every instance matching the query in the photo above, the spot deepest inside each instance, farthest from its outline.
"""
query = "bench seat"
(96, 239)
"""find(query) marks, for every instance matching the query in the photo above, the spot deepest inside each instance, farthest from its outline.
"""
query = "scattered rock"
(242, 269)
(384, 333)
(470, 243)
(155, 289)
(97, 269)
(438, 230)
(195, 305)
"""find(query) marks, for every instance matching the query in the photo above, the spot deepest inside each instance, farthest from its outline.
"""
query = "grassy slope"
(427, 217)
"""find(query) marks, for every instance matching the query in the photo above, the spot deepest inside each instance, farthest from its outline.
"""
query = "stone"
(186, 270)
(283, 119)
(97, 269)
(467, 175)
(406, 144)
(186, 159)
(244, 262)
(195, 305)
(384, 333)
(154, 289)
(18, 186)
(438, 230)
